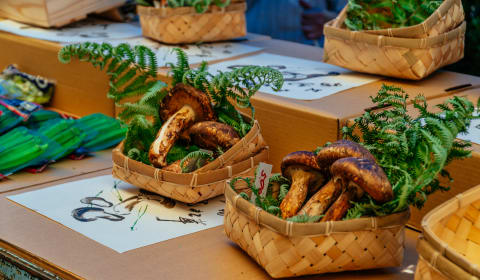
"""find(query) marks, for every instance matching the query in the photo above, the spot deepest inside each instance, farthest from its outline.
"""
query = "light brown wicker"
(286, 249)
(404, 58)
(447, 17)
(432, 265)
(204, 183)
(184, 25)
(453, 230)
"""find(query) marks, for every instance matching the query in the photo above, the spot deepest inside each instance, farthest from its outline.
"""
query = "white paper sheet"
(196, 52)
(473, 133)
(304, 79)
(93, 208)
(86, 30)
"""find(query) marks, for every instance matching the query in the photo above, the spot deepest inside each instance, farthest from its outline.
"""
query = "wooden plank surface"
(207, 254)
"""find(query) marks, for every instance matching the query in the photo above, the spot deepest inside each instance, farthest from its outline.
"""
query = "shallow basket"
(447, 17)
(452, 230)
(404, 58)
(184, 25)
(204, 183)
(286, 249)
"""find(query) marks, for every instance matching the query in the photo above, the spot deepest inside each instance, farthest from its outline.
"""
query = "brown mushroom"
(211, 135)
(322, 199)
(183, 107)
(357, 175)
(173, 167)
(302, 170)
(341, 149)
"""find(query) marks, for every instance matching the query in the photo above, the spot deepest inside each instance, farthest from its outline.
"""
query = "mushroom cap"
(303, 159)
(182, 95)
(341, 149)
(366, 174)
(210, 135)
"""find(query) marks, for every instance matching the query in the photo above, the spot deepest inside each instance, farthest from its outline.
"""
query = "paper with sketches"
(473, 133)
(304, 79)
(119, 215)
(86, 30)
(196, 52)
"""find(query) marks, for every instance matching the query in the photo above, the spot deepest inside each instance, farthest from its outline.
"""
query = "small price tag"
(264, 172)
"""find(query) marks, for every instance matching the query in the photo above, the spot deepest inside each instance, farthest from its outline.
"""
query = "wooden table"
(44, 248)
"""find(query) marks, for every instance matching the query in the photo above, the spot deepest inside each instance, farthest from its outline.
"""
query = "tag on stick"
(264, 172)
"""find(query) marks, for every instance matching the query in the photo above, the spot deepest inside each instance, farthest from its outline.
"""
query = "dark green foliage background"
(471, 63)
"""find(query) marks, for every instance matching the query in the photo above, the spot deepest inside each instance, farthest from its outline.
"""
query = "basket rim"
(437, 261)
(288, 228)
(219, 170)
(331, 31)
(417, 29)
(165, 12)
(441, 211)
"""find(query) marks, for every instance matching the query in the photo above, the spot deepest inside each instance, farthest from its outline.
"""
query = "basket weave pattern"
(185, 25)
(204, 183)
(286, 249)
(394, 57)
(284, 256)
(425, 271)
(447, 17)
(452, 234)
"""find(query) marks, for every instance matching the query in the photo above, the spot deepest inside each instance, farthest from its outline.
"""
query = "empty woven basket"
(286, 249)
(204, 183)
(452, 230)
(404, 58)
(184, 25)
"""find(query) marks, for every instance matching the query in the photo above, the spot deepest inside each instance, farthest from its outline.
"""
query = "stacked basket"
(184, 25)
(285, 249)
(450, 248)
(203, 183)
(412, 52)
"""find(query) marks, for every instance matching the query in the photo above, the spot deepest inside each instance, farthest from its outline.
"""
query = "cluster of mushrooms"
(335, 176)
(188, 116)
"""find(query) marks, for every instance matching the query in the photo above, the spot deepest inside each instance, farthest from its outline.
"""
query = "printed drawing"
(86, 30)
(107, 210)
(196, 52)
(292, 76)
(119, 215)
(304, 79)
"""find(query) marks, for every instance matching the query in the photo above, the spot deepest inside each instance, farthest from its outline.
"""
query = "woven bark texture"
(215, 25)
(393, 61)
(283, 256)
(425, 271)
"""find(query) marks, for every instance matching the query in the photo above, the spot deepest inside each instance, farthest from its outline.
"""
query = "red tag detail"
(76, 157)
(37, 169)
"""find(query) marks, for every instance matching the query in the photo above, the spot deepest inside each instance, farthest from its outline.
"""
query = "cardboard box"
(207, 254)
(80, 89)
(49, 13)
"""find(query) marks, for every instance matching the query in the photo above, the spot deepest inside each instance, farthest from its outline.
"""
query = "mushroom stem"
(340, 207)
(169, 134)
(297, 194)
(322, 199)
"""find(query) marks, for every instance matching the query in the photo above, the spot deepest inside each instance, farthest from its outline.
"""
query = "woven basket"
(286, 249)
(447, 17)
(405, 58)
(453, 231)
(432, 265)
(184, 25)
(204, 183)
